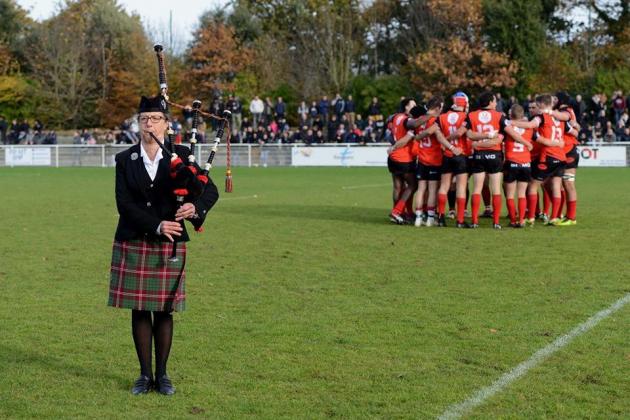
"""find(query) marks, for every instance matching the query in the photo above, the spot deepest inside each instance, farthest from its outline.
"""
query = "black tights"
(144, 331)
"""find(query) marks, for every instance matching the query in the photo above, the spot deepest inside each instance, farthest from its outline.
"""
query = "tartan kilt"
(142, 278)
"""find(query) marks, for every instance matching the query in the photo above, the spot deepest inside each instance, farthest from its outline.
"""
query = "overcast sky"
(154, 13)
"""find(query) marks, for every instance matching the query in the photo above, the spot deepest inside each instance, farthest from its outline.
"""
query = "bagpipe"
(189, 178)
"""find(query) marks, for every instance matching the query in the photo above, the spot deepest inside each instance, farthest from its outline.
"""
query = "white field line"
(246, 197)
(456, 411)
(354, 187)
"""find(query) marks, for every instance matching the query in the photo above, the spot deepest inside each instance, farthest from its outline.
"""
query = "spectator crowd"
(336, 120)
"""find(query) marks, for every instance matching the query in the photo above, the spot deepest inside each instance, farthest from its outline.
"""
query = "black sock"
(163, 335)
(142, 335)
(451, 199)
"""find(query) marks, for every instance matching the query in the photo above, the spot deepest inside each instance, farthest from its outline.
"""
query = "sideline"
(456, 411)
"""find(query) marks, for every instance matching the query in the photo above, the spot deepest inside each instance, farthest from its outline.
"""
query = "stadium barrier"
(253, 155)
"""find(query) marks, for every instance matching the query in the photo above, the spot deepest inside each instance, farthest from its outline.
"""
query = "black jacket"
(143, 204)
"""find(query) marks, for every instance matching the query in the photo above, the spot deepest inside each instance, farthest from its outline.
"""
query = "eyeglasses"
(153, 118)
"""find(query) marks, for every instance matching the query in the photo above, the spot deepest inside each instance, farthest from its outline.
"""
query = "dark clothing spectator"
(586, 134)
(313, 113)
(280, 109)
(618, 107)
(332, 128)
(323, 109)
(308, 137)
(268, 110)
(360, 122)
(318, 138)
(375, 108)
(50, 138)
(317, 124)
(4, 125)
(216, 107)
(236, 108)
(579, 108)
(340, 106)
(303, 114)
(38, 127)
(624, 135)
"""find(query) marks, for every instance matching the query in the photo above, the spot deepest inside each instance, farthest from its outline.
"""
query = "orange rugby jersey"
(570, 141)
(551, 129)
(399, 129)
(428, 150)
(515, 151)
(449, 123)
(487, 121)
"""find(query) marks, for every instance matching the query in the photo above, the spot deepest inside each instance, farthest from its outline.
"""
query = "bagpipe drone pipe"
(188, 177)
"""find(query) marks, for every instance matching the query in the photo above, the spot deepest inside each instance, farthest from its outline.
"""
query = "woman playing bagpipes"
(145, 276)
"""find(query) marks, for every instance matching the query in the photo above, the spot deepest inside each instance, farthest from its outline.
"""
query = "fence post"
(249, 155)
(56, 155)
(103, 155)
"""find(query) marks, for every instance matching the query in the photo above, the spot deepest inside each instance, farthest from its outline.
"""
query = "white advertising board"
(338, 156)
(602, 156)
(28, 156)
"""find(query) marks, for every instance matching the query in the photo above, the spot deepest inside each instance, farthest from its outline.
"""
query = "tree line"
(87, 64)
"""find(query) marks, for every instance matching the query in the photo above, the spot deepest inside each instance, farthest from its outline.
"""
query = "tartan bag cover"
(143, 278)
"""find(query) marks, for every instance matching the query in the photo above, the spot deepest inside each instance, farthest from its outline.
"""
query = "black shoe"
(441, 221)
(142, 385)
(515, 225)
(164, 386)
(472, 226)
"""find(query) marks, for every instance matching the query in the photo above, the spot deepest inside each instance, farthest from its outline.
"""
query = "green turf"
(304, 302)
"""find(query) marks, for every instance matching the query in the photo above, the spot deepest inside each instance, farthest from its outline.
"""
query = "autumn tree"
(214, 59)
(460, 59)
(91, 63)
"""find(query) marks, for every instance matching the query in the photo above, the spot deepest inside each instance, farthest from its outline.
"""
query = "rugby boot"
(553, 222)
(396, 218)
(496, 226)
(441, 222)
(567, 222)
(142, 385)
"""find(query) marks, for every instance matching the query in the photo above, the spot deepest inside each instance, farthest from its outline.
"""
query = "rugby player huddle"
(439, 151)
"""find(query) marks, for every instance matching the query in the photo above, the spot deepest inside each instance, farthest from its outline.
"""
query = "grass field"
(304, 302)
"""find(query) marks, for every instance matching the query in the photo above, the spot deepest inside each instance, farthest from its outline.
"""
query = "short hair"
(485, 99)
(517, 112)
(563, 98)
(435, 101)
(544, 99)
(404, 102)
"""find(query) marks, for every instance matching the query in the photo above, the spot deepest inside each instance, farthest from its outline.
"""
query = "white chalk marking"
(456, 411)
(247, 197)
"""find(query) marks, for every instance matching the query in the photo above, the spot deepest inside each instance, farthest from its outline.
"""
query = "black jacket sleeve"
(204, 203)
